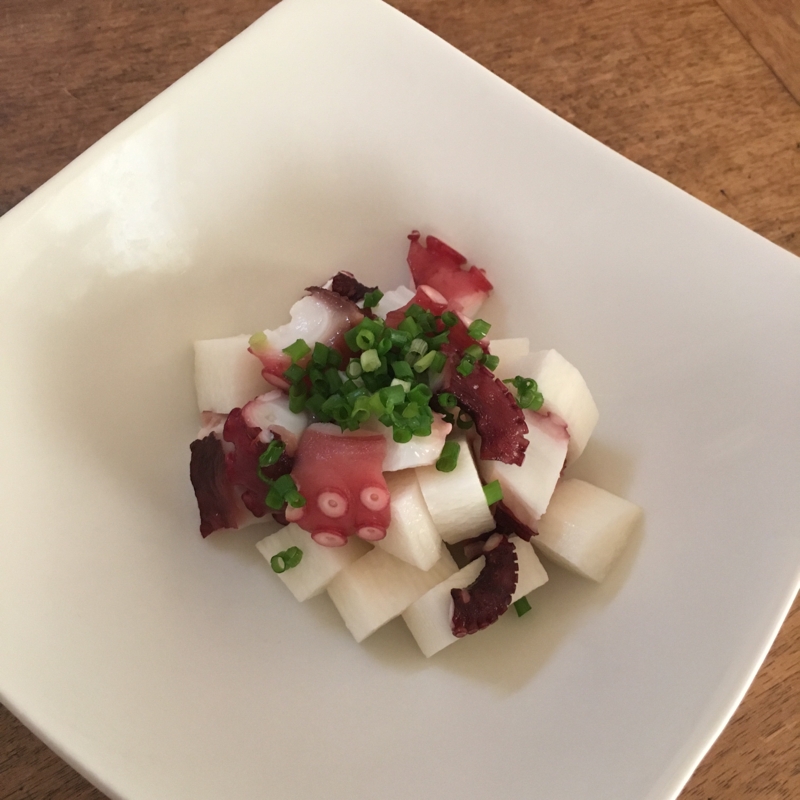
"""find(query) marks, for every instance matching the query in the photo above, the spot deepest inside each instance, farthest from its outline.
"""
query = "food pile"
(411, 458)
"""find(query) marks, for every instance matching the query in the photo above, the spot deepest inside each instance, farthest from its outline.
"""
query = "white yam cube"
(318, 566)
(379, 587)
(412, 537)
(565, 393)
(527, 489)
(392, 300)
(226, 374)
(456, 499)
(510, 352)
(429, 618)
(419, 451)
(585, 528)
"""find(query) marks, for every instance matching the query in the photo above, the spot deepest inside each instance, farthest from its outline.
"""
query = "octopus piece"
(346, 285)
(498, 419)
(321, 316)
(217, 500)
(242, 465)
(340, 476)
(440, 266)
(485, 600)
(508, 524)
(270, 413)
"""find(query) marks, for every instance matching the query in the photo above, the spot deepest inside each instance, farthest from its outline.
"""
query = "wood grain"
(671, 84)
(773, 28)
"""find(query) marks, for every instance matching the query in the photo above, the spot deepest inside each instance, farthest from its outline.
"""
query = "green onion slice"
(493, 493)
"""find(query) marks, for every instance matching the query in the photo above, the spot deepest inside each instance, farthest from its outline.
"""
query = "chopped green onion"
(439, 360)
(361, 409)
(371, 299)
(297, 350)
(271, 455)
(408, 325)
(401, 434)
(384, 345)
(435, 342)
(394, 394)
(414, 310)
(297, 402)
(370, 360)
(522, 606)
(410, 411)
(354, 369)
(474, 351)
(295, 499)
(285, 484)
(466, 366)
(405, 384)
(447, 400)
(287, 559)
(491, 362)
(449, 457)
(294, 374)
(320, 355)
(365, 340)
(402, 369)
(421, 428)
(493, 493)
(449, 318)
(315, 403)
(334, 379)
(420, 394)
(399, 338)
(419, 346)
(334, 358)
(258, 341)
(478, 329)
(464, 421)
(274, 498)
(426, 361)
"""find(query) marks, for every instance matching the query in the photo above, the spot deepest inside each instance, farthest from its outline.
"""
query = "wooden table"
(671, 84)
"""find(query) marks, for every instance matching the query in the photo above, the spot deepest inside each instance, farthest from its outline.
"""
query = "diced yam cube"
(429, 618)
(226, 374)
(527, 488)
(319, 565)
(392, 300)
(456, 499)
(412, 537)
(510, 352)
(379, 587)
(585, 528)
(565, 393)
(419, 451)
(532, 574)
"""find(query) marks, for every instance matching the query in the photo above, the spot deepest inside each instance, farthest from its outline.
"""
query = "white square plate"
(164, 666)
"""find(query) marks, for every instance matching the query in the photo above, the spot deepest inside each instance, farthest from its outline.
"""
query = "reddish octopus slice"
(440, 266)
(485, 600)
(217, 500)
(498, 419)
(340, 476)
(242, 463)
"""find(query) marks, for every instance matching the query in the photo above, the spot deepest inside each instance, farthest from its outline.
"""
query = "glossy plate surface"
(163, 666)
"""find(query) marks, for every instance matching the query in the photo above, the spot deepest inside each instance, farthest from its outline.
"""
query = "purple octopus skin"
(485, 600)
